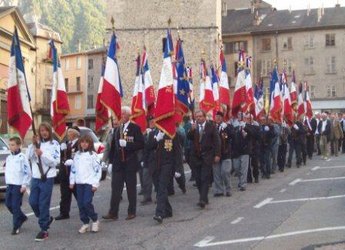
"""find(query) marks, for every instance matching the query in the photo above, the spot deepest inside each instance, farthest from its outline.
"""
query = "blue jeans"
(84, 199)
(40, 197)
(240, 165)
(14, 202)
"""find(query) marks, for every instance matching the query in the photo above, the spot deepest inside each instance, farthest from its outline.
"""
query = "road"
(293, 210)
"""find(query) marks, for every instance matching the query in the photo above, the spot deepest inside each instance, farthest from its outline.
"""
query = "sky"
(303, 4)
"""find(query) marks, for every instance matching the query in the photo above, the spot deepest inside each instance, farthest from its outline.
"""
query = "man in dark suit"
(310, 125)
(342, 123)
(127, 141)
(205, 151)
(68, 150)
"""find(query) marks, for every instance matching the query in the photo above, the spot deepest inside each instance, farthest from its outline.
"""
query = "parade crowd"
(213, 149)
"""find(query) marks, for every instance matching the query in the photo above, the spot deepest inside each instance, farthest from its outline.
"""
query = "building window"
(66, 64)
(47, 98)
(78, 62)
(66, 84)
(288, 66)
(330, 40)
(287, 43)
(266, 67)
(90, 101)
(77, 102)
(312, 91)
(331, 65)
(90, 82)
(235, 47)
(78, 83)
(331, 91)
(309, 42)
(309, 65)
(266, 44)
(90, 63)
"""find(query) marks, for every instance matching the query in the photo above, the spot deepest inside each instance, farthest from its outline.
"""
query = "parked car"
(4, 152)
(99, 147)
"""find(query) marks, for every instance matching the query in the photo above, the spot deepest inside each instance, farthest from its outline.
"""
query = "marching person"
(205, 151)
(44, 156)
(282, 150)
(254, 144)
(317, 132)
(222, 169)
(168, 156)
(266, 134)
(310, 125)
(17, 178)
(297, 142)
(68, 150)
(127, 141)
(324, 128)
(336, 134)
(84, 177)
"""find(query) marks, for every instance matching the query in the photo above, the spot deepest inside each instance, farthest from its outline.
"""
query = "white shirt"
(324, 124)
(86, 169)
(317, 127)
(202, 126)
(125, 125)
(17, 170)
(50, 158)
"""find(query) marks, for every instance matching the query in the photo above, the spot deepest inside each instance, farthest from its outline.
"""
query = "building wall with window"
(74, 68)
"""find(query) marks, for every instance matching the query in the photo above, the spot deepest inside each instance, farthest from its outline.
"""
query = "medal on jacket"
(168, 145)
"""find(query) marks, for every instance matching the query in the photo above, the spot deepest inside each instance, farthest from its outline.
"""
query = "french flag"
(189, 73)
(18, 97)
(239, 99)
(224, 94)
(276, 102)
(300, 104)
(149, 92)
(102, 113)
(259, 99)
(206, 90)
(165, 105)
(249, 93)
(215, 88)
(112, 89)
(59, 107)
(307, 102)
(138, 106)
(287, 108)
(293, 90)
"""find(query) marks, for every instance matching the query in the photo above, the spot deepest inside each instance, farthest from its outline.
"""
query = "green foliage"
(75, 20)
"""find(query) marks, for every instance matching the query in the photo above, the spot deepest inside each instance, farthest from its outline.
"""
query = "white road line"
(263, 203)
(323, 179)
(52, 208)
(325, 168)
(207, 241)
(283, 190)
(294, 182)
(237, 220)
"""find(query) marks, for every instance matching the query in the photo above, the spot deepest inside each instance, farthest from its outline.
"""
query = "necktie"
(201, 131)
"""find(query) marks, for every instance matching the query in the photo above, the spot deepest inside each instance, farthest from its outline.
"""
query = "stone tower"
(140, 23)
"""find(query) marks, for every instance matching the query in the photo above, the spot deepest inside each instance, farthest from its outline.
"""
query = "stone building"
(140, 23)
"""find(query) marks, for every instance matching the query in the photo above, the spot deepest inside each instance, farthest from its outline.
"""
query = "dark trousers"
(66, 192)
(299, 151)
(39, 200)
(310, 146)
(84, 198)
(117, 183)
(14, 202)
(203, 175)
(317, 138)
(181, 181)
(253, 168)
(265, 162)
(282, 150)
(343, 146)
(141, 178)
(163, 176)
(147, 184)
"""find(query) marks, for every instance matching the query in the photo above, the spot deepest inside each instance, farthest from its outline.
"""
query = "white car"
(4, 152)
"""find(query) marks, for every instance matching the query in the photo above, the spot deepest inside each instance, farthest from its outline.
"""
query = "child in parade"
(44, 156)
(17, 176)
(85, 174)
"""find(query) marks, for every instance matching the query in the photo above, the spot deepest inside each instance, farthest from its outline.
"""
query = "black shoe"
(201, 204)
(41, 236)
(167, 216)
(288, 165)
(242, 189)
(62, 217)
(298, 166)
(109, 217)
(194, 185)
(23, 221)
(51, 220)
(15, 231)
(141, 192)
(250, 181)
(256, 180)
(192, 179)
(184, 190)
(146, 202)
(159, 219)
(218, 195)
(228, 194)
(171, 193)
(281, 169)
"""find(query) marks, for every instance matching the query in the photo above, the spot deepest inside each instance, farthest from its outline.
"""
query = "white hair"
(126, 109)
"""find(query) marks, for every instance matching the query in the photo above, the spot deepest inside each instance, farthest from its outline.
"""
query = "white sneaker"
(84, 228)
(95, 226)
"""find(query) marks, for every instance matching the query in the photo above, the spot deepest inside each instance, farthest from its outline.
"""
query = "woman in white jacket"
(86, 174)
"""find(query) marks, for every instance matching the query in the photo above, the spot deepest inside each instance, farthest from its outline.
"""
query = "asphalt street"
(293, 210)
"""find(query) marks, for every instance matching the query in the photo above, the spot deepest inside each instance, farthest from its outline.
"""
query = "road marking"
(263, 203)
(237, 220)
(52, 208)
(294, 182)
(283, 190)
(325, 168)
(207, 241)
(323, 179)
(271, 201)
